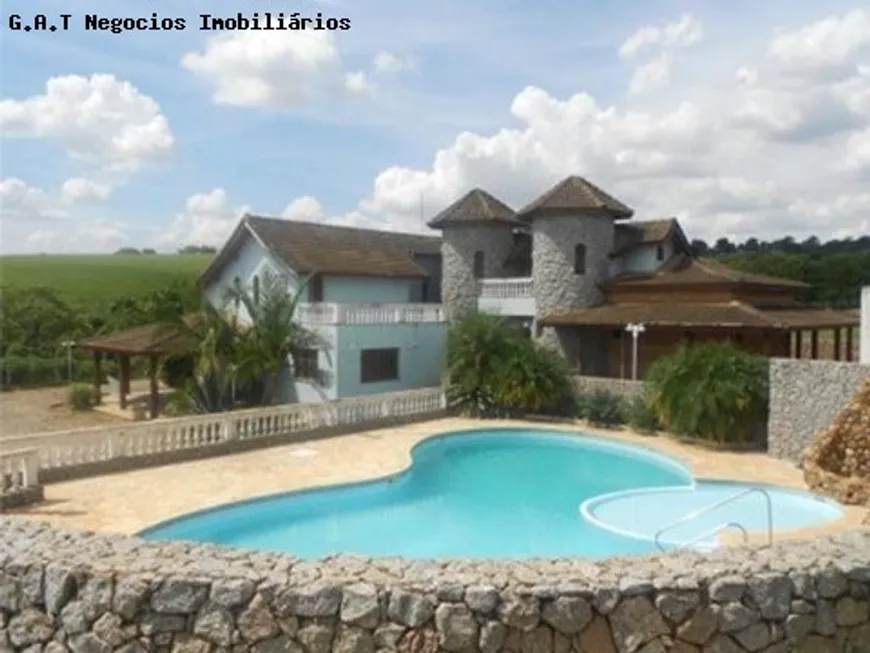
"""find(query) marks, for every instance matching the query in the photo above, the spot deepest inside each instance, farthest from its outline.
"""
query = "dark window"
(379, 365)
(305, 364)
(256, 289)
(689, 336)
(660, 253)
(478, 265)
(580, 259)
(315, 288)
(617, 334)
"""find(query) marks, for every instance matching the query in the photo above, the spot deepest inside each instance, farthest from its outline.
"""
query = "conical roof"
(575, 195)
(476, 206)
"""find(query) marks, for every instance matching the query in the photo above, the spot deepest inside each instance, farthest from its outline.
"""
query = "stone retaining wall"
(622, 387)
(91, 593)
(805, 396)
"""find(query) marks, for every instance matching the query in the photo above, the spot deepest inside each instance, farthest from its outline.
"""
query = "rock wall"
(91, 593)
(838, 462)
(805, 396)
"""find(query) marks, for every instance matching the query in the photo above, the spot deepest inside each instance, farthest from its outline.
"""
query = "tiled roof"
(148, 339)
(308, 247)
(629, 235)
(726, 314)
(692, 271)
(476, 206)
(575, 194)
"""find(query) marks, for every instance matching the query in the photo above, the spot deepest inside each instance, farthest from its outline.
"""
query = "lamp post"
(635, 330)
(69, 344)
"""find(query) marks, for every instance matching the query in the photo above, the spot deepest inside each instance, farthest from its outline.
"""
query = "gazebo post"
(837, 335)
(152, 377)
(98, 376)
(124, 381)
(814, 344)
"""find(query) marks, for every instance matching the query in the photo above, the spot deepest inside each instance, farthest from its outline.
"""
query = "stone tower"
(572, 240)
(477, 236)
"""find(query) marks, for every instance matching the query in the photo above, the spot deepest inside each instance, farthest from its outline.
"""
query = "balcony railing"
(515, 288)
(327, 313)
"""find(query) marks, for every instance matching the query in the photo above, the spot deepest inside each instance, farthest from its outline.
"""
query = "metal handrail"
(703, 511)
(716, 531)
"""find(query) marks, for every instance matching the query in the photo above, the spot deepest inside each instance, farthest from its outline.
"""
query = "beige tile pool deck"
(131, 501)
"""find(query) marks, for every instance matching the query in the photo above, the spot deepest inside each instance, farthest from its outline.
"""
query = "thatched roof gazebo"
(155, 341)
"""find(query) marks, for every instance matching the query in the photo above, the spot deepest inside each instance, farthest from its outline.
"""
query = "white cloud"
(389, 63)
(745, 157)
(99, 119)
(358, 83)
(682, 33)
(208, 219)
(651, 74)
(18, 199)
(80, 189)
(827, 48)
(270, 69)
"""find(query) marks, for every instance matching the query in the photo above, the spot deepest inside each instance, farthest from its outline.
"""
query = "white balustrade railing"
(18, 469)
(515, 288)
(326, 313)
(67, 449)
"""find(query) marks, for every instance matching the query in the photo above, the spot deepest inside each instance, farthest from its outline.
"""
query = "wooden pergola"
(155, 341)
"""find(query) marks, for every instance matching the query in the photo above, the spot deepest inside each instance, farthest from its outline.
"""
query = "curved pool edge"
(636, 450)
(849, 518)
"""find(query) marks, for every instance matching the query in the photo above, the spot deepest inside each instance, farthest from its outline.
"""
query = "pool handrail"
(716, 531)
(704, 510)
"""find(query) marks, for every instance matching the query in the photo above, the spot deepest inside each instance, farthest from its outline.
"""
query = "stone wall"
(622, 387)
(459, 288)
(90, 593)
(805, 396)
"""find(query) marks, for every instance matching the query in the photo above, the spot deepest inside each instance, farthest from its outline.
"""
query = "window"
(580, 259)
(315, 288)
(660, 253)
(689, 336)
(478, 265)
(305, 364)
(256, 284)
(379, 365)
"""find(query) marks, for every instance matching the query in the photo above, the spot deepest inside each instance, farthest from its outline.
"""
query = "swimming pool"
(502, 493)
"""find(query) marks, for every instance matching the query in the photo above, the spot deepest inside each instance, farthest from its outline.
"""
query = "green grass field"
(97, 279)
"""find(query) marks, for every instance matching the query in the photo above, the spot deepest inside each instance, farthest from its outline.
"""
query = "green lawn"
(97, 278)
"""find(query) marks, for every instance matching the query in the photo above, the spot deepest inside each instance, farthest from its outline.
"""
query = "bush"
(640, 416)
(602, 408)
(177, 371)
(82, 396)
(36, 371)
(712, 391)
(494, 368)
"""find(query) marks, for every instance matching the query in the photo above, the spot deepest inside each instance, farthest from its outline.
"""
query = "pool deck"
(131, 501)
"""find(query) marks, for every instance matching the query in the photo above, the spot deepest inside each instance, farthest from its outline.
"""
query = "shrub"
(640, 416)
(494, 368)
(603, 408)
(711, 391)
(177, 371)
(82, 396)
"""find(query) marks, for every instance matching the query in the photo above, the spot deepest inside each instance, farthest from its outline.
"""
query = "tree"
(494, 368)
(711, 391)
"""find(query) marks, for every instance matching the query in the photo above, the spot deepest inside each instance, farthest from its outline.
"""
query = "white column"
(865, 326)
(635, 330)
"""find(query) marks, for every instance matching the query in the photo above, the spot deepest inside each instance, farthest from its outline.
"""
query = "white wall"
(641, 259)
(865, 325)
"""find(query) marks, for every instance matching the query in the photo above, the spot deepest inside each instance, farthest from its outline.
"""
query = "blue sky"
(168, 136)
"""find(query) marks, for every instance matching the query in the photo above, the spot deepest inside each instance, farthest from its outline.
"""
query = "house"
(572, 267)
(576, 266)
(373, 302)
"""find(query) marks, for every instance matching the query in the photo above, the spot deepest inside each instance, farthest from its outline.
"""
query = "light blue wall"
(422, 352)
(642, 259)
(383, 290)
(305, 391)
(250, 260)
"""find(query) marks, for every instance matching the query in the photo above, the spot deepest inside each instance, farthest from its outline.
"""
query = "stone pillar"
(459, 288)
(864, 352)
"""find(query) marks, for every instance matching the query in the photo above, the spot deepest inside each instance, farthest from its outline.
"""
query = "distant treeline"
(189, 249)
(836, 270)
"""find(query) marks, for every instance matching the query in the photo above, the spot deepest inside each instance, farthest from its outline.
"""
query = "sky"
(742, 118)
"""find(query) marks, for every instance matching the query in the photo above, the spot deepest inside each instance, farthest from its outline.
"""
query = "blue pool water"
(503, 493)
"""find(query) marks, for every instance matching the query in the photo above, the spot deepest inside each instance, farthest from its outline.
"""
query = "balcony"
(506, 296)
(329, 314)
